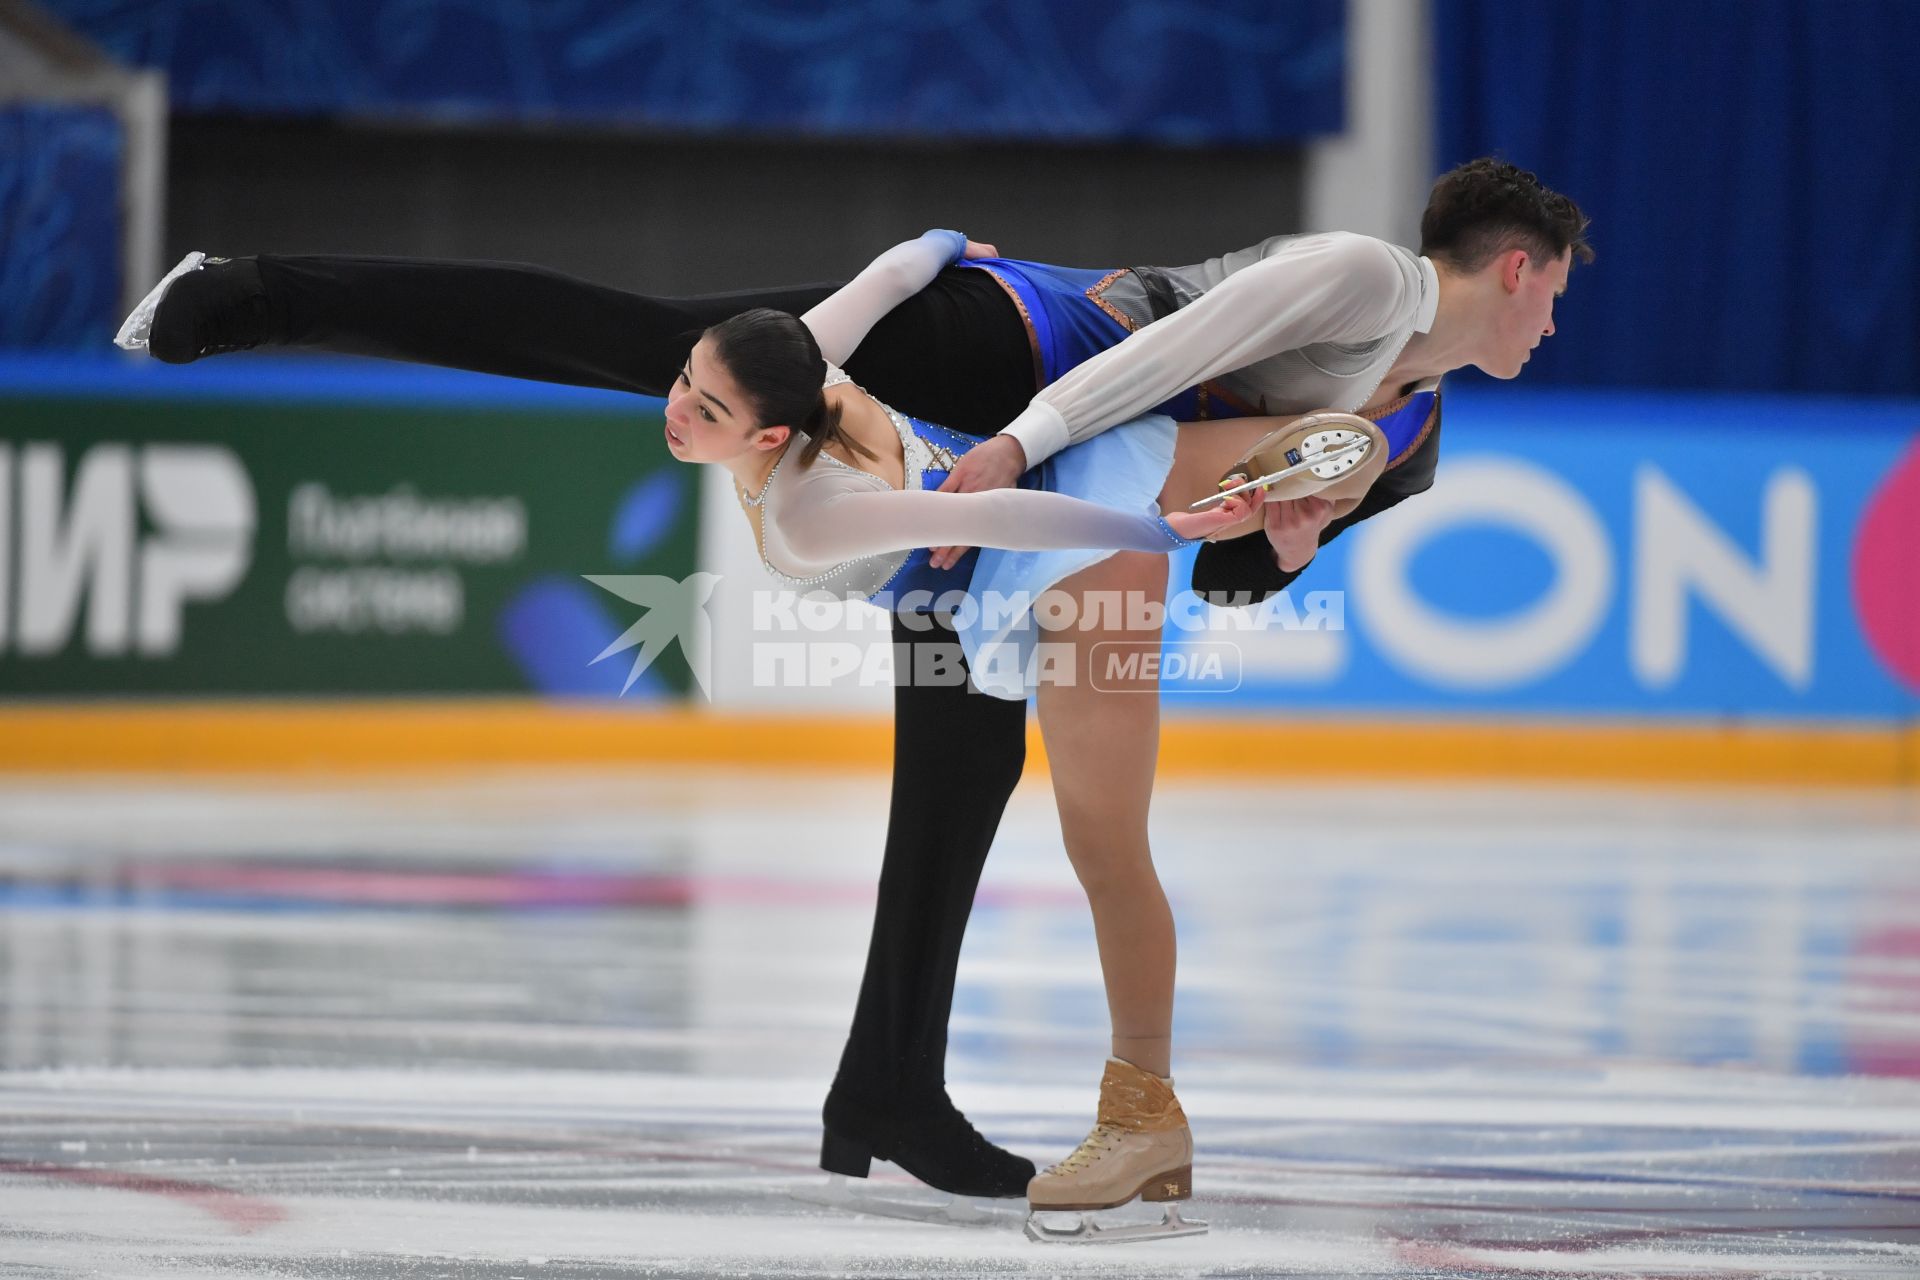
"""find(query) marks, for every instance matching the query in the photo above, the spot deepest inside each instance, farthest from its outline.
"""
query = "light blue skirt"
(1123, 468)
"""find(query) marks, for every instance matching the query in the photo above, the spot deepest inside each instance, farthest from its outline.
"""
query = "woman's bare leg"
(1102, 733)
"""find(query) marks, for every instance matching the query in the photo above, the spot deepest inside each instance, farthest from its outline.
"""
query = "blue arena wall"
(1748, 168)
(1584, 556)
(60, 227)
(1625, 554)
(1080, 70)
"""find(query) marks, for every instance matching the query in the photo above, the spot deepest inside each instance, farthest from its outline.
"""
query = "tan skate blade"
(1287, 478)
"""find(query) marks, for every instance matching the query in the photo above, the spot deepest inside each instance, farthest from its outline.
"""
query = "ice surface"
(571, 1025)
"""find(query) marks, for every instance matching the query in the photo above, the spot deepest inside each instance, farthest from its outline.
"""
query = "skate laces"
(1091, 1148)
(952, 1119)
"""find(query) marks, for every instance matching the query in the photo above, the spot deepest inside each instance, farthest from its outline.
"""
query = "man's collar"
(1429, 296)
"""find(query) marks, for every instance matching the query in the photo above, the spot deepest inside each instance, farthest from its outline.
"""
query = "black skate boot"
(930, 1139)
(204, 307)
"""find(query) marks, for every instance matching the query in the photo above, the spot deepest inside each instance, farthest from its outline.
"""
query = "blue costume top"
(1067, 326)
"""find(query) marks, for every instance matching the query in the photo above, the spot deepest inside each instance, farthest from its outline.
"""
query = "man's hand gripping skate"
(1293, 525)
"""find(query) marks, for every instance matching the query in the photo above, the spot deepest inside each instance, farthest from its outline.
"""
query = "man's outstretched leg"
(956, 757)
(504, 318)
(955, 353)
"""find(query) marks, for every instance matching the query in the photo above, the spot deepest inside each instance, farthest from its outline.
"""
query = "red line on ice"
(244, 1213)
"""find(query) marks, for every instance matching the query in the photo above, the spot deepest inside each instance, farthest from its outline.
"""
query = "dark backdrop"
(690, 215)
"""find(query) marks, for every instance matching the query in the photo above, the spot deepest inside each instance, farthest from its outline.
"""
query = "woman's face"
(708, 418)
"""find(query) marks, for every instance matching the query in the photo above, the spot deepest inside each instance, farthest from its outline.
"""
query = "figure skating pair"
(1293, 324)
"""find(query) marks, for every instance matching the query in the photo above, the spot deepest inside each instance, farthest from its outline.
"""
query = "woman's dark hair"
(778, 366)
(1487, 206)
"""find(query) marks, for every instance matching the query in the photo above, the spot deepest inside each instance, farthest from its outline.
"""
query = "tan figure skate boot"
(1335, 455)
(1140, 1148)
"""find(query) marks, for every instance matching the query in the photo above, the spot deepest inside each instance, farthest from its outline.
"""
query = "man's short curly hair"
(1487, 206)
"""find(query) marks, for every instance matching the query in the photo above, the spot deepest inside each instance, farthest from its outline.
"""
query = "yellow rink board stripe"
(403, 734)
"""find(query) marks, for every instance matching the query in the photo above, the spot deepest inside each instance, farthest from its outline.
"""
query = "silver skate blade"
(1170, 1227)
(139, 322)
(930, 1206)
(1307, 463)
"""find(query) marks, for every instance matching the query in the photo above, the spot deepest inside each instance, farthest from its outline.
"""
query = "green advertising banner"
(153, 546)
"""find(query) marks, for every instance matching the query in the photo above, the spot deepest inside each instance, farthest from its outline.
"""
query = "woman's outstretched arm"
(843, 319)
(833, 516)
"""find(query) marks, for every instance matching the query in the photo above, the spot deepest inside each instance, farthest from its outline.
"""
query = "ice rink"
(570, 1025)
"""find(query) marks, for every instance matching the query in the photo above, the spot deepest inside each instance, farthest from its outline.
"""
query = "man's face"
(1530, 285)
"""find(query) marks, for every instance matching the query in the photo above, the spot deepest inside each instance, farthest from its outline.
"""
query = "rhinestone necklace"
(755, 499)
